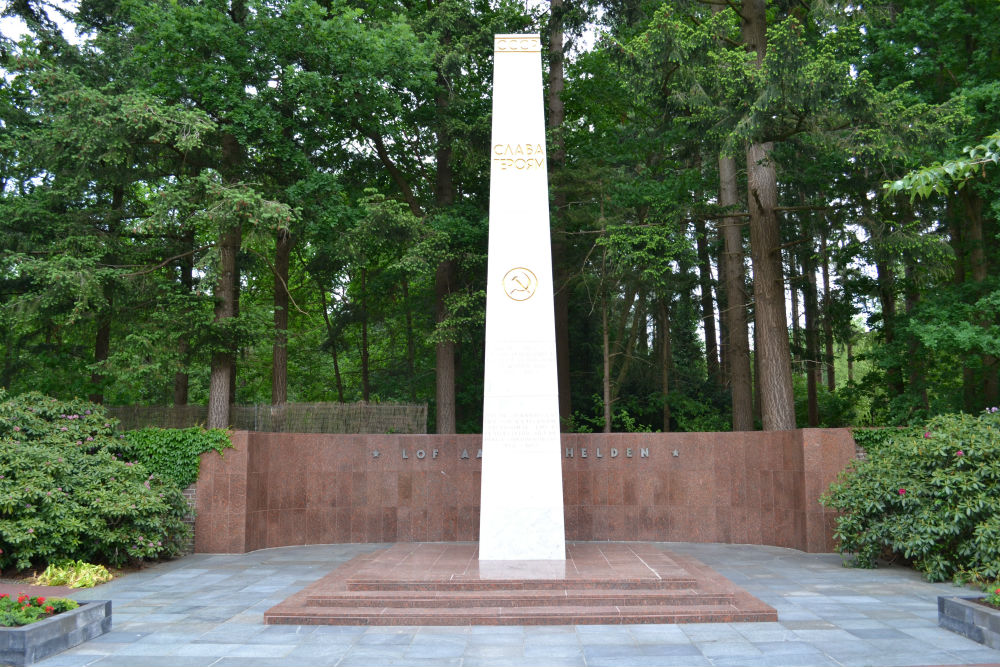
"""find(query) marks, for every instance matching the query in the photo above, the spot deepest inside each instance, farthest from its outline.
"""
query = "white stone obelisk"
(521, 503)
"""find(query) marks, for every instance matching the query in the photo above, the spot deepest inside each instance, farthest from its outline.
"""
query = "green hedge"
(67, 493)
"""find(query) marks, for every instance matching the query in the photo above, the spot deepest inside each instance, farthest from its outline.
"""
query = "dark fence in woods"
(287, 418)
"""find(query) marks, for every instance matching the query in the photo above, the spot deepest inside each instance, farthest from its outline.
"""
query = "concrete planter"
(29, 643)
(967, 617)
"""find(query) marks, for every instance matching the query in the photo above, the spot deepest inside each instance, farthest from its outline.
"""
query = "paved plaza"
(206, 610)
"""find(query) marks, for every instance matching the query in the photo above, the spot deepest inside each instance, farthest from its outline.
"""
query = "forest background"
(762, 214)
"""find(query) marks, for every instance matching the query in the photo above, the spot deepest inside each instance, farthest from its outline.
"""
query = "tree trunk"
(956, 217)
(812, 355)
(735, 316)
(794, 280)
(979, 270)
(756, 374)
(181, 380)
(557, 158)
(886, 280)
(777, 403)
(707, 303)
(606, 348)
(365, 378)
(279, 362)
(831, 380)
(918, 384)
(445, 353)
(776, 400)
(220, 387)
(102, 348)
(102, 341)
(665, 360)
(333, 343)
(850, 358)
(411, 346)
(444, 196)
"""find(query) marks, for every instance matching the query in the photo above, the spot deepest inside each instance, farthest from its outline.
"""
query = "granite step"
(446, 584)
(555, 615)
(522, 598)
(461, 585)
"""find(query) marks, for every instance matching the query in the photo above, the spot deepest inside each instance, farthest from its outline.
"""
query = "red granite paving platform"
(446, 584)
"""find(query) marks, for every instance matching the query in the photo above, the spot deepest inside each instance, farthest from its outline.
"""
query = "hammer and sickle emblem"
(520, 284)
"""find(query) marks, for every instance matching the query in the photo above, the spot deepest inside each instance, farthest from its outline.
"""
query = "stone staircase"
(445, 584)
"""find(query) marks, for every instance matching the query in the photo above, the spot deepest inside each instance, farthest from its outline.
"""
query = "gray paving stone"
(258, 662)
(543, 652)
(385, 639)
(441, 650)
(517, 662)
(152, 661)
(885, 633)
(483, 651)
(828, 615)
(67, 660)
(207, 649)
(785, 647)
(725, 649)
(669, 650)
(649, 661)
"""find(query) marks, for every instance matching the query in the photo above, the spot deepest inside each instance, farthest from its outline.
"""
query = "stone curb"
(30, 643)
(966, 617)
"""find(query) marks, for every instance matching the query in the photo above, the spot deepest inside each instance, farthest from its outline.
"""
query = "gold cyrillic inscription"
(519, 156)
(517, 44)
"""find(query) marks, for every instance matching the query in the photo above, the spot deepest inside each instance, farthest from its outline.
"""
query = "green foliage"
(171, 454)
(698, 416)
(73, 573)
(25, 609)
(66, 494)
(941, 177)
(621, 421)
(836, 409)
(930, 494)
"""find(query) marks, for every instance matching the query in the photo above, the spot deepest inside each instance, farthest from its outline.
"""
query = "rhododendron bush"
(66, 494)
(929, 494)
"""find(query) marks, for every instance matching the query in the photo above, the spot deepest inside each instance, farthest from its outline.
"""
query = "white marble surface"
(521, 508)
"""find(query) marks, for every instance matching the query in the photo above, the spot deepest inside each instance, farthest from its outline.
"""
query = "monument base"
(446, 584)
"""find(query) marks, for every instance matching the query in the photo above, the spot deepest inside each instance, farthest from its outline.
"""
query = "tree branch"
(394, 171)
(160, 265)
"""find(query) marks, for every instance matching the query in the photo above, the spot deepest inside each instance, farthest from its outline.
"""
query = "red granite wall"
(278, 489)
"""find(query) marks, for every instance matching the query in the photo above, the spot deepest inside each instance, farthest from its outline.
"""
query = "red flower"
(927, 434)
(4, 595)
(21, 598)
(902, 492)
(49, 609)
(40, 600)
(960, 453)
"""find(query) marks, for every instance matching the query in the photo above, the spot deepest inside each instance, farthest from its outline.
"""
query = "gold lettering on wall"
(523, 157)
(517, 43)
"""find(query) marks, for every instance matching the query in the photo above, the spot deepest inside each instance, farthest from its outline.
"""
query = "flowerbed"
(25, 609)
(26, 644)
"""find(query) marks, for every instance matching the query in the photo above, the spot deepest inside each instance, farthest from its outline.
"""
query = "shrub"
(171, 453)
(65, 493)
(930, 494)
